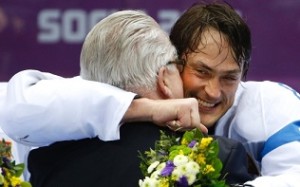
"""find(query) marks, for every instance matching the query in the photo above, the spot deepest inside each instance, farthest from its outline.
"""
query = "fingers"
(192, 119)
(203, 128)
(174, 125)
(195, 119)
(177, 127)
(177, 114)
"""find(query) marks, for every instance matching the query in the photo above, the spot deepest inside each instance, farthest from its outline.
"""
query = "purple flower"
(168, 169)
(183, 182)
(192, 144)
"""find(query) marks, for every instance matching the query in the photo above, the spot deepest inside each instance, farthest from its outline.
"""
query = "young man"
(215, 45)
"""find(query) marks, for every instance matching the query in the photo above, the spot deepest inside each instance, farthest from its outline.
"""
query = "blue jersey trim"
(288, 134)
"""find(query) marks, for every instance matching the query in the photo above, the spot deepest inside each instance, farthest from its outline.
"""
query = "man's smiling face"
(211, 75)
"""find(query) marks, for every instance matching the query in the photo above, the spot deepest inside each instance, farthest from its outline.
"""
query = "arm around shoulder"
(41, 108)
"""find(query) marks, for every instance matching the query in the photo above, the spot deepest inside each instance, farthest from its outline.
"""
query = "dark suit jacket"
(91, 162)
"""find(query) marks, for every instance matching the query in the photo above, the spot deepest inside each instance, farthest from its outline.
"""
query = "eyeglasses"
(180, 63)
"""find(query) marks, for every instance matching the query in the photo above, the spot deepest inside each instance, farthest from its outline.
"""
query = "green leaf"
(25, 184)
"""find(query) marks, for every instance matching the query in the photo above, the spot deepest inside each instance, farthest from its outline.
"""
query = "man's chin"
(208, 121)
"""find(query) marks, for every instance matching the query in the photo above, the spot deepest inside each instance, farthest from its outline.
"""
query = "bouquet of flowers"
(188, 161)
(10, 172)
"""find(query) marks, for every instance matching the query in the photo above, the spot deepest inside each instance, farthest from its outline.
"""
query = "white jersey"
(68, 109)
(265, 117)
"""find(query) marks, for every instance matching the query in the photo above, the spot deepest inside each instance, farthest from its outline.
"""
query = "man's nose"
(213, 88)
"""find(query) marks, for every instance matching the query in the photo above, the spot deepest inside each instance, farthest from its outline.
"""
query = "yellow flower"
(205, 142)
(9, 170)
(181, 152)
(184, 142)
(192, 155)
(164, 183)
(1, 179)
(5, 184)
(208, 168)
(15, 181)
(201, 159)
(8, 174)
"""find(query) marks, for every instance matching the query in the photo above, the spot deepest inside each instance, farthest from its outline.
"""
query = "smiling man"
(214, 43)
(212, 76)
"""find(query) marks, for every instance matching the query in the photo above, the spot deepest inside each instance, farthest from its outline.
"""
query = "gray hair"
(126, 49)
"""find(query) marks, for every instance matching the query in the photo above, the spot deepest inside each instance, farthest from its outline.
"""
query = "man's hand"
(177, 114)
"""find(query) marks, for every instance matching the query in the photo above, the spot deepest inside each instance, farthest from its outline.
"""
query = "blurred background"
(47, 34)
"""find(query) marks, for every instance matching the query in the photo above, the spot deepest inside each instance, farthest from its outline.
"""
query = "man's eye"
(231, 78)
(202, 72)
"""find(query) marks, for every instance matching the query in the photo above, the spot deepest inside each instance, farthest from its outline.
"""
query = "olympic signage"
(47, 34)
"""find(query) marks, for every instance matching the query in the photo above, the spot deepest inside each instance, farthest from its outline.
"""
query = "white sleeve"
(279, 106)
(263, 109)
(41, 108)
(282, 166)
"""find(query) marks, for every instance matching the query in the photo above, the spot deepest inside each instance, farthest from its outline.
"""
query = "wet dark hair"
(186, 33)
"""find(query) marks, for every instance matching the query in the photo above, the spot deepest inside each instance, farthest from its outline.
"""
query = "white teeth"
(205, 104)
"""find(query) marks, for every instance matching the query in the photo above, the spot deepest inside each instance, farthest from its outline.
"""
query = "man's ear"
(163, 82)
